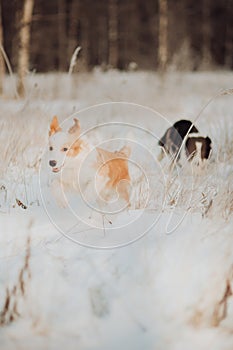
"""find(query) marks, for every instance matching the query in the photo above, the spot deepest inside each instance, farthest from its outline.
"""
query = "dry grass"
(23, 140)
(207, 191)
(219, 312)
(10, 311)
(24, 136)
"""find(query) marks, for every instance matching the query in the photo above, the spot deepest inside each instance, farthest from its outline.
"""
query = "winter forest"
(192, 35)
(116, 174)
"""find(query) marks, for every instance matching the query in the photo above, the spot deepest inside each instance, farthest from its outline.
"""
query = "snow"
(155, 278)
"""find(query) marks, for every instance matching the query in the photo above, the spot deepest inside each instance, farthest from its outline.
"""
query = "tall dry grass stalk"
(74, 59)
(21, 148)
(8, 64)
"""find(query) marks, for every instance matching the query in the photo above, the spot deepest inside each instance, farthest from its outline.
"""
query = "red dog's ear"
(75, 129)
(54, 126)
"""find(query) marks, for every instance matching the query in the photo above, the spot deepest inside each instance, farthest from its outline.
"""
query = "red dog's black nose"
(52, 163)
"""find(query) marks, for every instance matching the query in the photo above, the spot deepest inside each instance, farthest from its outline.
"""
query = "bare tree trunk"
(2, 64)
(163, 36)
(61, 35)
(229, 36)
(84, 41)
(73, 27)
(103, 42)
(113, 33)
(206, 30)
(24, 42)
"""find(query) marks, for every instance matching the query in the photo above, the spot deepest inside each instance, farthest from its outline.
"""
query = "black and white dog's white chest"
(198, 146)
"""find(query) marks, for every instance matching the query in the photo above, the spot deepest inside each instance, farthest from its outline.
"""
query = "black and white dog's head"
(195, 144)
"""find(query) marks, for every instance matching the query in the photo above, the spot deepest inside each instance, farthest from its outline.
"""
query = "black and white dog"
(195, 145)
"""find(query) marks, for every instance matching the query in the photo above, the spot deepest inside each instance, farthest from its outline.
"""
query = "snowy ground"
(171, 288)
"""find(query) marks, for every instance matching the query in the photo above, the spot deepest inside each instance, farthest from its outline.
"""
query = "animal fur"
(102, 171)
(195, 144)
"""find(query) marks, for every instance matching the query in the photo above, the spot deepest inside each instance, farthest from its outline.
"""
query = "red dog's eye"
(65, 149)
(50, 148)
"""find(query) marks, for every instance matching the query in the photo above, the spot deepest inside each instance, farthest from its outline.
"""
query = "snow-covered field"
(167, 281)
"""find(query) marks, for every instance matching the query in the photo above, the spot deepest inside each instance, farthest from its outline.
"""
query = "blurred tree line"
(124, 34)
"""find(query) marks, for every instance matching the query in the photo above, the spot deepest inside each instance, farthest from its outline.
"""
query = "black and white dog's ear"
(194, 130)
(75, 129)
